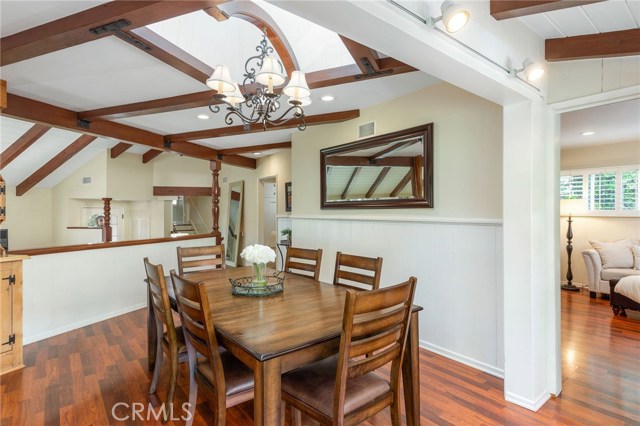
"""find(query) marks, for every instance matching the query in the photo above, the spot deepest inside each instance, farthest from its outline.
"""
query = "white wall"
(29, 218)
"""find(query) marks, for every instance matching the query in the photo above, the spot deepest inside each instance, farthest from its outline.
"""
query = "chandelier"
(262, 105)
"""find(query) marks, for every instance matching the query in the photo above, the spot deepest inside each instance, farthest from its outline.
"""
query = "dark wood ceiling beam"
(53, 164)
(410, 175)
(507, 9)
(119, 149)
(239, 161)
(350, 161)
(217, 14)
(366, 58)
(603, 45)
(333, 117)
(255, 148)
(3, 94)
(167, 52)
(377, 182)
(393, 148)
(150, 155)
(185, 191)
(74, 29)
(351, 179)
(23, 142)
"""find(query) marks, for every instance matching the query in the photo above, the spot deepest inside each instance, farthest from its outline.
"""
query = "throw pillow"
(636, 257)
(614, 255)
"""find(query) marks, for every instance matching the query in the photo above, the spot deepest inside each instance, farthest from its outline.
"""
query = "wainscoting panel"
(459, 269)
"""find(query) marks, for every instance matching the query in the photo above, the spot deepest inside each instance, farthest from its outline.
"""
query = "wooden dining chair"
(357, 280)
(307, 260)
(170, 340)
(193, 259)
(344, 389)
(228, 380)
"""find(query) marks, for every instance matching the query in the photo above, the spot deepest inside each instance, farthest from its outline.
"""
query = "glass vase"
(260, 274)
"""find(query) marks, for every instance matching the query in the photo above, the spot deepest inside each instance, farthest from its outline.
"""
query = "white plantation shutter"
(629, 190)
(571, 187)
(602, 191)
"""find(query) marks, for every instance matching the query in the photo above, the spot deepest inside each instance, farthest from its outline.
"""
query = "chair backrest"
(375, 324)
(192, 259)
(299, 259)
(159, 297)
(197, 324)
(347, 277)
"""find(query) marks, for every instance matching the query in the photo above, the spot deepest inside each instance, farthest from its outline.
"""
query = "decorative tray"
(246, 287)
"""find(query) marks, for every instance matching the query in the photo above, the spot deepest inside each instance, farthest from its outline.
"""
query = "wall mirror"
(392, 170)
(234, 222)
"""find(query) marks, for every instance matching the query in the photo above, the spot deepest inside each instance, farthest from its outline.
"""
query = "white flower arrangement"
(258, 254)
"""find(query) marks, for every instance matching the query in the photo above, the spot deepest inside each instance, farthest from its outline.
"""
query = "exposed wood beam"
(315, 80)
(339, 160)
(418, 165)
(239, 161)
(216, 13)
(44, 171)
(506, 9)
(603, 45)
(3, 94)
(172, 55)
(185, 191)
(119, 149)
(333, 117)
(351, 179)
(74, 29)
(150, 155)
(377, 182)
(255, 148)
(402, 183)
(393, 148)
(366, 58)
(23, 142)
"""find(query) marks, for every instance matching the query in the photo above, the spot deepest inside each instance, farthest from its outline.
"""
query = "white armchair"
(598, 276)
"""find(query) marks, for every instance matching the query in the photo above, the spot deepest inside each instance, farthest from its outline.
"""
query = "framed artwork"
(287, 196)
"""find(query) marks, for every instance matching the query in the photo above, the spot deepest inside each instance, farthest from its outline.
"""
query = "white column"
(529, 246)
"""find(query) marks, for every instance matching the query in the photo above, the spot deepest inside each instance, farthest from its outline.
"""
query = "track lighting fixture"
(531, 70)
(454, 16)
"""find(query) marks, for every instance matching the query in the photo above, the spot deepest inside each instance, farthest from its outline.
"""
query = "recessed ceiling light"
(589, 133)
(327, 98)
(257, 153)
(203, 116)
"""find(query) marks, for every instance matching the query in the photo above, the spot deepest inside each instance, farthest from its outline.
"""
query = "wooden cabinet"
(11, 313)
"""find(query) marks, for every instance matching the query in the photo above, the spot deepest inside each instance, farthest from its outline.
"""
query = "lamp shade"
(220, 80)
(454, 16)
(572, 207)
(235, 97)
(270, 73)
(297, 87)
(533, 70)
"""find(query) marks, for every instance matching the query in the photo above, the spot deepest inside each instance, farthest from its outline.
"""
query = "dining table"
(281, 332)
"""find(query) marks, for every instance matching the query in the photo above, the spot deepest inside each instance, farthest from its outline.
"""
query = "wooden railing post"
(215, 199)
(106, 226)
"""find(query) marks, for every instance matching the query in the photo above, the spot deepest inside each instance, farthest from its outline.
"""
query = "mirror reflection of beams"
(395, 168)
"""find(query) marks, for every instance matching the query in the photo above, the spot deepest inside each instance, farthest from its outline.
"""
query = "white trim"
(531, 404)
(598, 99)
(455, 221)
(83, 323)
(478, 365)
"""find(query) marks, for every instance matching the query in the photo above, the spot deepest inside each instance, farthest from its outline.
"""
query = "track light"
(454, 17)
(531, 70)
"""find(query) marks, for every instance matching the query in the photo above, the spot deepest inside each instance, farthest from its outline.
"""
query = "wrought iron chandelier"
(257, 94)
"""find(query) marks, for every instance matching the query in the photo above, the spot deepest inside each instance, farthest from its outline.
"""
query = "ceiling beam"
(255, 148)
(23, 142)
(215, 12)
(402, 183)
(53, 164)
(377, 182)
(333, 117)
(185, 191)
(119, 149)
(349, 161)
(393, 148)
(315, 80)
(603, 45)
(507, 9)
(366, 58)
(3, 94)
(351, 179)
(239, 161)
(150, 155)
(74, 29)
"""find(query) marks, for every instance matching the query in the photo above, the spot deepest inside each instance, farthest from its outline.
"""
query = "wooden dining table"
(278, 333)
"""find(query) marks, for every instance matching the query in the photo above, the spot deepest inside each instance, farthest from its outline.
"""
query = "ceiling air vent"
(366, 130)
(86, 180)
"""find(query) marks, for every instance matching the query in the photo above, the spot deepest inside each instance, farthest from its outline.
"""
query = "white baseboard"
(80, 324)
(530, 404)
(478, 365)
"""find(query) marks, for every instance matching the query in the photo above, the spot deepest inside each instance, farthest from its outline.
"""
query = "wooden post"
(106, 226)
(3, 209)
(3, 94)
(215, 199)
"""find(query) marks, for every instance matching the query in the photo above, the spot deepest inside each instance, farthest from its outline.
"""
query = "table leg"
(266, 404)
(152, 336)
(281, 257)
(411, 374)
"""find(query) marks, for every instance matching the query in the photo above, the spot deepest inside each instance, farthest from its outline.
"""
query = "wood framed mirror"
(387, 171)
(234, 222)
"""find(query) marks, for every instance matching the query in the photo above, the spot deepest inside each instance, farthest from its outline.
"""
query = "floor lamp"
(570, 207)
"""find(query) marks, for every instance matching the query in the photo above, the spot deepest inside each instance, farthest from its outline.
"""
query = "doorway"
(268, 208)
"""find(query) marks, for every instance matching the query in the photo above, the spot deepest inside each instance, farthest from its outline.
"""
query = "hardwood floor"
(76, 378)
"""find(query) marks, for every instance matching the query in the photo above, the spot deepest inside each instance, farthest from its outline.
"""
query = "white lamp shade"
(572, 207)
(297, 87)
(270, 72)
(454, 16)
(235, 97)
(303, 101)
(220, 80)
(533, 70)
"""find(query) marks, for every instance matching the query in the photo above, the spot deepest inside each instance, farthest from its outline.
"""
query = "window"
(611, 191)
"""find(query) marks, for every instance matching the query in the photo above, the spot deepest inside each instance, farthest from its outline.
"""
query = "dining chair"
(344, 389)
(170, 340)
(193, 259)
(307, 260)
(366, 264)
(228, 380)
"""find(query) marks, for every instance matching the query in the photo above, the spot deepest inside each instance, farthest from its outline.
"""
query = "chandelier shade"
(297, 87)
(270, 73)
(220, 80)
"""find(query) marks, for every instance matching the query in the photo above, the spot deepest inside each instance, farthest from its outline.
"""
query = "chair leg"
(296, 417)
(395, 410)
(193, 385)
(173, 359)
(283, 412)
(158, 364)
